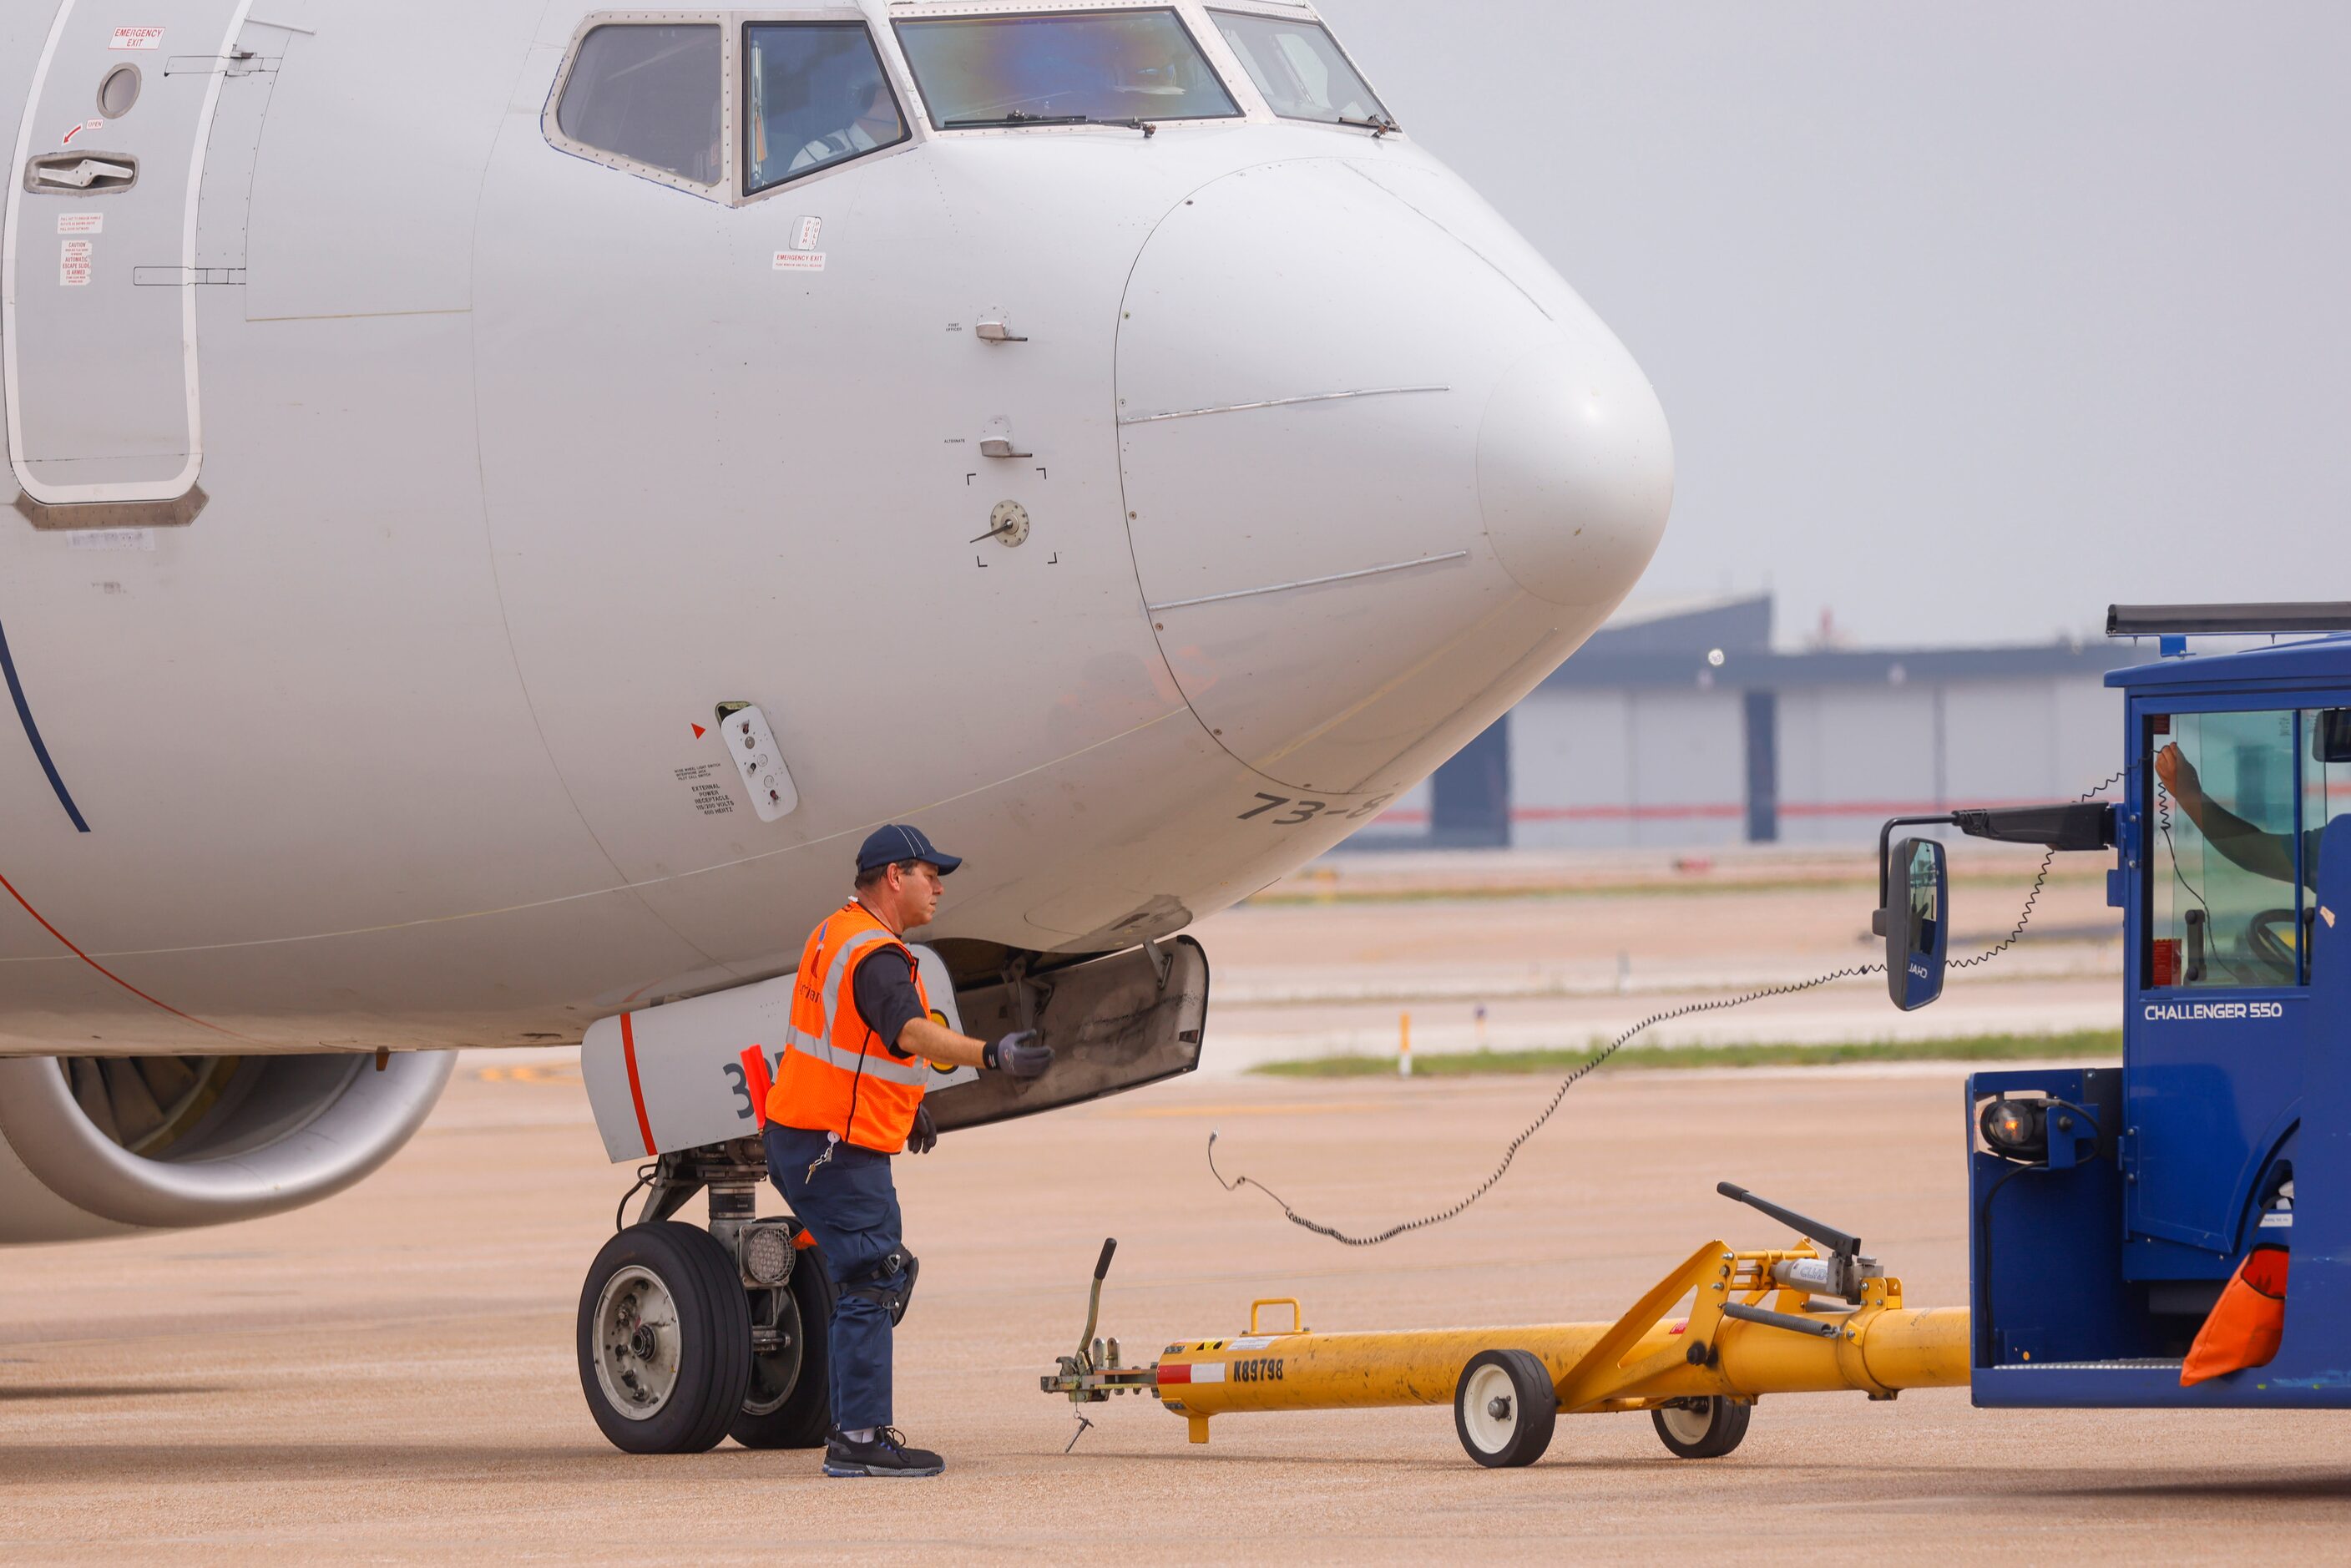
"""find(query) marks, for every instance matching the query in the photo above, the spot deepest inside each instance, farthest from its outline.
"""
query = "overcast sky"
(1969, 319)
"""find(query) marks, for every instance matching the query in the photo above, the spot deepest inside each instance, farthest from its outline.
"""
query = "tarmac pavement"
(389, 1376)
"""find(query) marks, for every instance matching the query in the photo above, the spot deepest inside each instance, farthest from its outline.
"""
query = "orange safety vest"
(837, 1076)
(2246, 1323)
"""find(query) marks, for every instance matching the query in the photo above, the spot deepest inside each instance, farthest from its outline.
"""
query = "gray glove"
(926, 1134)
(1020, 1053)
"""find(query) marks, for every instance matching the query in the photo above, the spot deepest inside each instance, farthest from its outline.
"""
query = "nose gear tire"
(803, 1417)
(1702, 1428)
(1504, 1408)
(663, 1340)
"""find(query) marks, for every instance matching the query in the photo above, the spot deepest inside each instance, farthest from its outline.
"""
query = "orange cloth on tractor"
(837, 1076)
(2246, 1323)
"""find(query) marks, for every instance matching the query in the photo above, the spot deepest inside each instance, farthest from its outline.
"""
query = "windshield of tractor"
(2227, 852)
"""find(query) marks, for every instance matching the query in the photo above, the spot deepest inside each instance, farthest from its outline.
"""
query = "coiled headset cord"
(1719, 1004)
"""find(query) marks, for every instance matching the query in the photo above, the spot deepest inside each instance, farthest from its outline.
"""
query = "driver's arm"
(2257, 850)
(934, 1042)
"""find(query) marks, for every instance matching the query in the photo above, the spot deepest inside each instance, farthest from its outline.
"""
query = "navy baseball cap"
(889, 845)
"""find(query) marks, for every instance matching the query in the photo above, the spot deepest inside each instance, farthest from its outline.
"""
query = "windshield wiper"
(1378, 127)
(1016, 118)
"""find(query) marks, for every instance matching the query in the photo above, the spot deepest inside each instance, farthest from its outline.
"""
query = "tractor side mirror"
(1915, 921)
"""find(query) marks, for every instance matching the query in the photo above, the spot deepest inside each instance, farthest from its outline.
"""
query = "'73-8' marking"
(1307, 810)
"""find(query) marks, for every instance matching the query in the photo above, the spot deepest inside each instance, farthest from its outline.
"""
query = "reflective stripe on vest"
(887, 1069)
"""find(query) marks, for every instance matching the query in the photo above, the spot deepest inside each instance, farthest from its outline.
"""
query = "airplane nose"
(1378, 482)
(1575, 472)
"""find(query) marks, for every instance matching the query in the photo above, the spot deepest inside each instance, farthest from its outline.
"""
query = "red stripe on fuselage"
(110, 974)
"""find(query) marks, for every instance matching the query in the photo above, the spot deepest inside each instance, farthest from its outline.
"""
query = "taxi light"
(768, 1254)
(2016, 1129)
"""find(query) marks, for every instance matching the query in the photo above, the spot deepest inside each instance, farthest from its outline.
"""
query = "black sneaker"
(887, 1454)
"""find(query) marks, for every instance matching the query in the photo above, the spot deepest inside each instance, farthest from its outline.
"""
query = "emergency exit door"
(98, 313)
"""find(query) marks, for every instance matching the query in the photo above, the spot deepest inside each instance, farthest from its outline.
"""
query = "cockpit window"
(649, 94)
(1299, 68)
(1062, 68)
(817, 96)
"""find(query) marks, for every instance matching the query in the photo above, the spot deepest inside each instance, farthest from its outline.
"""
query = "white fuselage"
(515, 465)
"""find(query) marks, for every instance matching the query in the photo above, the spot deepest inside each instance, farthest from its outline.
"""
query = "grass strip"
(1692, 887)
(2080, 1043)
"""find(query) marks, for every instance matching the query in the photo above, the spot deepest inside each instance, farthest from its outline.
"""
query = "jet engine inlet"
(94, 1144)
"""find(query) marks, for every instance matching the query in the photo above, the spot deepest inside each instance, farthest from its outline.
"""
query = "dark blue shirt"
(884, 990)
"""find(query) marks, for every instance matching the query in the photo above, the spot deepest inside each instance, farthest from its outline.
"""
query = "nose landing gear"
(665, 1340)
(687, 1335)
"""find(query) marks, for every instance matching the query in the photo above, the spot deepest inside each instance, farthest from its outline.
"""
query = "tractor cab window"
(1066, 68)
(817, 97)
(649, 95)
(1300, 69)
(2228, 860)
(2326, 795)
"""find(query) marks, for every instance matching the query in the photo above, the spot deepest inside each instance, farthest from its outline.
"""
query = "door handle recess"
(86, 173)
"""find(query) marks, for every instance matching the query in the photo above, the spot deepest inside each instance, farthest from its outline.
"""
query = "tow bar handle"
(1828, 1236)
(1086, 1360)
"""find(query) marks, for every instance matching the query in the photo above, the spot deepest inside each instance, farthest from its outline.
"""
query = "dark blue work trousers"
(850, 1206)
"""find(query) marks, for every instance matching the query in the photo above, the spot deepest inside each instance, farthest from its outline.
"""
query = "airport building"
(1683, 726)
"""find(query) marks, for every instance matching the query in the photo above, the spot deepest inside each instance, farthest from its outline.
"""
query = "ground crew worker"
(847, 1096)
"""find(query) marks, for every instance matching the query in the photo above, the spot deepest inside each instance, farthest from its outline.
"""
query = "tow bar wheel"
(665, 1340)
(1704, 1428)
(1504, 1408)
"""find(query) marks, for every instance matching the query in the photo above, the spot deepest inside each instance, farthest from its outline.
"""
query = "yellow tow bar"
(1818, 1318)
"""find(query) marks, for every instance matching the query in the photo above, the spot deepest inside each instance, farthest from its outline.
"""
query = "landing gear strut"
(687, 1335)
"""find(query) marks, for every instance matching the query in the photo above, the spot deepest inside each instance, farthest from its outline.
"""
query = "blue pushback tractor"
(2108, 1207)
